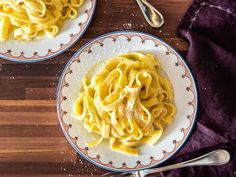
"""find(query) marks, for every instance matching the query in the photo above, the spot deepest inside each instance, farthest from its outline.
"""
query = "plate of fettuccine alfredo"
(127, 101)
(36, 30)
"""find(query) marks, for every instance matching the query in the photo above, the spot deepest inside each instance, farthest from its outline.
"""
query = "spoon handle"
(217, 157)
(152, 15)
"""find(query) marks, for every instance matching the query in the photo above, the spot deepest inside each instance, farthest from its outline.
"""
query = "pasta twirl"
(28, 19)
(130, 102)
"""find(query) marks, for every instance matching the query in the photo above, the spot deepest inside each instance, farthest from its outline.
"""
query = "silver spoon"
(214, 158)
(152, 15)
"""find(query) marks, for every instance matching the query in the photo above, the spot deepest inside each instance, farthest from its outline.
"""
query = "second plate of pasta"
(33, 31)
(126, 101)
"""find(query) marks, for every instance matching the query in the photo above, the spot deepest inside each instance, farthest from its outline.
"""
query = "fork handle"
(214, 158)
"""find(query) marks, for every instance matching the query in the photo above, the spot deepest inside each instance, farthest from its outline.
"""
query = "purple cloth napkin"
(210, 28)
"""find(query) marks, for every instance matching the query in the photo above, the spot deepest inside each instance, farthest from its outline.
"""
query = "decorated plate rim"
(124, 32)
(58, 52)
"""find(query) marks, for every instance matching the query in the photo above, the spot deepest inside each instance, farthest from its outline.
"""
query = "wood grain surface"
(31, 141)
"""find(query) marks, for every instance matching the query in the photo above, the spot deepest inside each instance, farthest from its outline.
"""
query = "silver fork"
(213, 158)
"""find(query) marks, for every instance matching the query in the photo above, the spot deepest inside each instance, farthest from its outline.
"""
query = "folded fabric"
(210, 28)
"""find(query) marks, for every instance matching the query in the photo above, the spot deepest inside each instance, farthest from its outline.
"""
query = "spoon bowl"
(151, 14)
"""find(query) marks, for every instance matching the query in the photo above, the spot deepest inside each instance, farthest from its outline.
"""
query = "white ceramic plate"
(45, 48)
(94, 54)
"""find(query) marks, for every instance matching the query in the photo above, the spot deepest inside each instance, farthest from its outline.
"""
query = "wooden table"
(31, 141)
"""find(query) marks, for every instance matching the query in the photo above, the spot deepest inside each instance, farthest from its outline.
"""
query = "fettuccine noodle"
(130, 102)
(29, 19)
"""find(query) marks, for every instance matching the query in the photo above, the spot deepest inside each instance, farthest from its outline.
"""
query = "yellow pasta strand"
(30, 19)
(4, 28)
(129, 102)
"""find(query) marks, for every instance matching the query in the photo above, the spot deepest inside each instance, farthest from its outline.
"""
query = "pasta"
(129, 102)
(28, 19)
